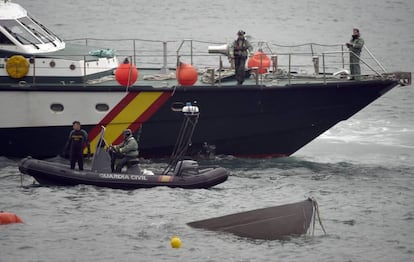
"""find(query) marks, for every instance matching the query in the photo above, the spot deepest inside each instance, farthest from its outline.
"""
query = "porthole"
(57, 108)
(101, 107)
(72, 67)
(52, 64)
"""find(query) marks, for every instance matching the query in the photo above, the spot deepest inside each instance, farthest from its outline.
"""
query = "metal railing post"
(323, 65)
(289, 68)
(134, 52)
(164, 69)
(191, 51)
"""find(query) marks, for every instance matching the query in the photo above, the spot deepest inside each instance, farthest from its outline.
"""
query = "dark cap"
(127, 132)
(241, 32)
(76, 122)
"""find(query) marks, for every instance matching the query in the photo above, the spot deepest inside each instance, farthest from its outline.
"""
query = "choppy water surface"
(361, 171)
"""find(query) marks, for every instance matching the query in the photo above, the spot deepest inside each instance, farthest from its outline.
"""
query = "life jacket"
(240, 47)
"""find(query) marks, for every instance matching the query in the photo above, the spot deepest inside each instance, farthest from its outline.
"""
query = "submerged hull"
(56, 174)
(266, 223)
(247, 121)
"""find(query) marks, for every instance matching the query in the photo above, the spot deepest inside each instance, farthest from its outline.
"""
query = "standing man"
(238, 52)
(355, 47)
(76, 140)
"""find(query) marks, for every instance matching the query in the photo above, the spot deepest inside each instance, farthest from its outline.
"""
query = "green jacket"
(129, 147)
(356, 45)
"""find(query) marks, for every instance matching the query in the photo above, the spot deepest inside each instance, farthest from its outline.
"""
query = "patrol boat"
(180, 172)
(288, 100)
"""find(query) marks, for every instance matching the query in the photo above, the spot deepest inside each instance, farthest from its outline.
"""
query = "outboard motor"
(186, 168)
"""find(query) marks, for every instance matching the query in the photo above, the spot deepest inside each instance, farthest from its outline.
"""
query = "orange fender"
(8, 218)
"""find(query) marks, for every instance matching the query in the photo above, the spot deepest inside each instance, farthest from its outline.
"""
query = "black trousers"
(240, 67)
(76, 156)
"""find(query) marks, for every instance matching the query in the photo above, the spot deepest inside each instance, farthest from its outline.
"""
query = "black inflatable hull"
(56, 174)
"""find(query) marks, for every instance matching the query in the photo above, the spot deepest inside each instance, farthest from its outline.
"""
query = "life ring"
(17, 66)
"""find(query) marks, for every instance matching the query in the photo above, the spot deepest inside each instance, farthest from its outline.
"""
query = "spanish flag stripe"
(111, 115)
(149, 112)
(132, 114)
(134, 109)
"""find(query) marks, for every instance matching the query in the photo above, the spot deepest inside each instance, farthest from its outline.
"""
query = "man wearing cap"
(126, 151)
(355, 46)
(75, 143)
(239, 51)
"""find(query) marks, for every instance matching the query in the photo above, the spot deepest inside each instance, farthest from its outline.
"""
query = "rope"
(316, 213)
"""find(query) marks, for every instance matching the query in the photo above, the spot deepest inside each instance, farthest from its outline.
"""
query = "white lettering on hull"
(122, 176)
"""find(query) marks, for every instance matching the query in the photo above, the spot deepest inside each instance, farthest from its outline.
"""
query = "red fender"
(8, 218)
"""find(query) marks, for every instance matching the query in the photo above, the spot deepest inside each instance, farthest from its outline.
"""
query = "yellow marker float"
(17, 66)
(175, 242)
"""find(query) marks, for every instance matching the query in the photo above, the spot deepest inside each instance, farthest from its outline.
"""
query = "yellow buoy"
(175, 242)
(17, 66)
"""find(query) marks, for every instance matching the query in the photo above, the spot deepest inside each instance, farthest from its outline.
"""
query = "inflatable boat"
(180, 172)
(190, 176)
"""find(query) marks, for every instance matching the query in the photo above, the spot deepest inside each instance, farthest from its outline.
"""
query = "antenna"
(191, 114)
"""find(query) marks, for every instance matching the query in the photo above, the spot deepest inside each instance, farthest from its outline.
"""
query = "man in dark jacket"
(355, 46)
(75, 144)
(239, 51)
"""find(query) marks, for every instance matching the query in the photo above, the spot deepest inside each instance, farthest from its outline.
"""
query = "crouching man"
(123, 153)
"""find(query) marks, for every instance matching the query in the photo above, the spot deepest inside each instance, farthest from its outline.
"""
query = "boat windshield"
(4, 40)
(19, 32)
(38, 30)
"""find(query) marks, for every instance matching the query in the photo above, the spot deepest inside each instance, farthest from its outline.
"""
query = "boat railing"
(288, 62)
(312, 59)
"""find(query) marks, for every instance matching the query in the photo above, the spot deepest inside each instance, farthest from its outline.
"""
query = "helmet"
(241, 32)
(127, 132)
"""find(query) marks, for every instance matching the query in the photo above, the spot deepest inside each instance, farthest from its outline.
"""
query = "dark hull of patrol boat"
(245, 121)
(57, 174)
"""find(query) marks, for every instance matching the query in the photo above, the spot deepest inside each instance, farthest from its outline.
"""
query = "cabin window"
(19, 32)
(4, 40)
(57, 107)
(101, 107)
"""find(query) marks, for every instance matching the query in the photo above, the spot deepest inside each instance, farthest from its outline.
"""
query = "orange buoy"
(259, 60)
(9, 218)
(126, 74)
(186, 74)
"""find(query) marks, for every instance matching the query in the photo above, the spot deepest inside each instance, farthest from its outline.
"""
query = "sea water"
(361, 171)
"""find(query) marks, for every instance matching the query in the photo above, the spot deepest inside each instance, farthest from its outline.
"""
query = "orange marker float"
(9, 218)
(186, 74)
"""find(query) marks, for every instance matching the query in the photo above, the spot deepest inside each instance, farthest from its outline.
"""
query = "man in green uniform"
(238, 52)
(355, 46)
(125, 152)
